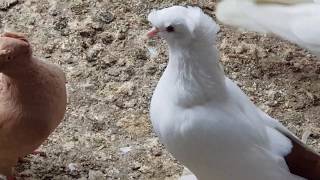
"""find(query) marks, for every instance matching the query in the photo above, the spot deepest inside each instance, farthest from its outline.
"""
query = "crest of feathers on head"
(201, 26)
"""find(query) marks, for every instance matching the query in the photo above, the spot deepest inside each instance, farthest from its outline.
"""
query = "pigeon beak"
(153, 32)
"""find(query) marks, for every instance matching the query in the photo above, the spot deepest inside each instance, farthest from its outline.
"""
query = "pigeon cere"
(160, 90)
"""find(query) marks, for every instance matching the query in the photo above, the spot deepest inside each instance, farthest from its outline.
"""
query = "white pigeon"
(295, 20)
(206, 121)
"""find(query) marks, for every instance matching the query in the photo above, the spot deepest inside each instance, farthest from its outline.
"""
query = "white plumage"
(202, 117)
(295, 20)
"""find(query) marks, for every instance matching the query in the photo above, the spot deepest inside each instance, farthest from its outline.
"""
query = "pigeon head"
(14, 49)
(182, 25)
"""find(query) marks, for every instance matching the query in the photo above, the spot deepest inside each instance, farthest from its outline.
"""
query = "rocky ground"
(106, 133)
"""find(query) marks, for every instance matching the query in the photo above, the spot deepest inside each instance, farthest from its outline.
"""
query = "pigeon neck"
(25, 78)
(26, 87)
(18, 68)
(197, 74)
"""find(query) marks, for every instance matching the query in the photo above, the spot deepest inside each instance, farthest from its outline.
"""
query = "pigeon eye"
(170, 29)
